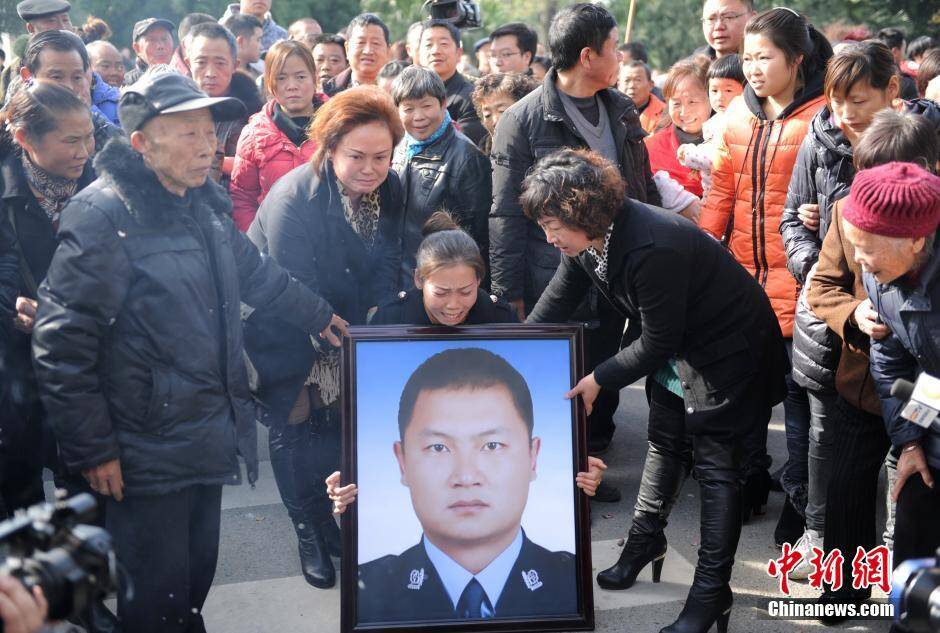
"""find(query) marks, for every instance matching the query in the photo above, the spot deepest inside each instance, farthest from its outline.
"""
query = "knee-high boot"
(717, 469)
(663, 476)
(665, 470)
(293, 460)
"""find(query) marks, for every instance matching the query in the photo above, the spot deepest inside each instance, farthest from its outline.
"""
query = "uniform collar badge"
(531, 579)
(416, 579)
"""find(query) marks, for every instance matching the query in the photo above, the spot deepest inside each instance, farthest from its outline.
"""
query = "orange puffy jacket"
(750, 178)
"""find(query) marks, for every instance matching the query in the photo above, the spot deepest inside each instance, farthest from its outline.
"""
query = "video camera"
(50, 546)
(915, 594)
(464, 14)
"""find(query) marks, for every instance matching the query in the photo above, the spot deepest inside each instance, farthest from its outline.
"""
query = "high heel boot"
(710, 596)
(646, 544)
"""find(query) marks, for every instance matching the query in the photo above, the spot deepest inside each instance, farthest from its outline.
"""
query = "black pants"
(917, 524)
(858, 453)
(302, 457)
(716, 463)
(22, 455)
(600, 344)
(170, 545)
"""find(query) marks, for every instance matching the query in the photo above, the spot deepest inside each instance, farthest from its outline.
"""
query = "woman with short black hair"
(439, 167)
(704, 335)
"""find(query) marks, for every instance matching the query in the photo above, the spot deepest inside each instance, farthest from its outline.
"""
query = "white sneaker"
(805, 545)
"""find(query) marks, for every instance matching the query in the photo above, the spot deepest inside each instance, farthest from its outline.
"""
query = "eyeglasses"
(504, 55)
(724, 18)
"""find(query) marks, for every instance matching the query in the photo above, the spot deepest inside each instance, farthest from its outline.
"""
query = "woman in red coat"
(686, 93)
(275, 140)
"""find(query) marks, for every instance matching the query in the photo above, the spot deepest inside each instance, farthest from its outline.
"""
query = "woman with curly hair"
(703, 332)
(494, 94)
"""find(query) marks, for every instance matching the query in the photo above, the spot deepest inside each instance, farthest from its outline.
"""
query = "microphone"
(922, 396)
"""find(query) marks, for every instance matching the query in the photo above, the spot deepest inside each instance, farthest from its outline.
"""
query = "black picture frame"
(573, 334)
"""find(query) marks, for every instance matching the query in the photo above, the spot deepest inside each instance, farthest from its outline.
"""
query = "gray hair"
(416, 82)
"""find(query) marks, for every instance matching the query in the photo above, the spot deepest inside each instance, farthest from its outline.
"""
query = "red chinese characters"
(869, 569)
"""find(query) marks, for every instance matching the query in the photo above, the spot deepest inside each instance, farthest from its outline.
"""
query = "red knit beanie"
(894, 200)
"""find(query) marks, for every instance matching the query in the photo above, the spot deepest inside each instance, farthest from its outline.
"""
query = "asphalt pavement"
(258, 587)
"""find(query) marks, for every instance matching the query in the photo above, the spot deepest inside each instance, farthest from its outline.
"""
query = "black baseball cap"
(169, 92)
(145, 25)
(32, 9)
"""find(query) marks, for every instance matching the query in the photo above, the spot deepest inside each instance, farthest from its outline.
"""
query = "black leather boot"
(315, 563)
(717, 471)
(332, 536)
(293, 460)
(698, 617)
(646, 544)
(790, 525)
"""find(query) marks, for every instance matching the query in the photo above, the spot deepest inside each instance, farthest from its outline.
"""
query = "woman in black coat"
(705, 336)
(46, 142)
(334, 224)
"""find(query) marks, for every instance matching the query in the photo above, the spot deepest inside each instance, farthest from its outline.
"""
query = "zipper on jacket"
(764, 167)
(755, 182)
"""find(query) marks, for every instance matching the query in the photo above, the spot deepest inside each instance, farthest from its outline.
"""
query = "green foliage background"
(670, 28)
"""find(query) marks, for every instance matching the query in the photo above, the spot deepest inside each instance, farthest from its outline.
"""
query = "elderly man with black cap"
(138, 344)
(39, 16)
(153, 44)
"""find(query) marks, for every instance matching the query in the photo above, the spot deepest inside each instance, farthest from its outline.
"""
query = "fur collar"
(244, 89)
(147, 201)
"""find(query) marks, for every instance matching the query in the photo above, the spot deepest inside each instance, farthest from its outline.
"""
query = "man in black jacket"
(439, 167)
(573, 108)
(441, 51)
(367, 49)
(212, 53)
(138, 345)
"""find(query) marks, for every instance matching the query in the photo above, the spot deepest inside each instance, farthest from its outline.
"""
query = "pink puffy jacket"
(264, 154)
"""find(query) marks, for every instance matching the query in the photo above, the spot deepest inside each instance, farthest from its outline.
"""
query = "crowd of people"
(185, 239)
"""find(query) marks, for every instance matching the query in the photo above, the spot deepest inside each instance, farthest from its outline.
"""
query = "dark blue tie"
(472, 600)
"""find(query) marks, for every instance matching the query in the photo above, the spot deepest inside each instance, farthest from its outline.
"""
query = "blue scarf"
(413, 146)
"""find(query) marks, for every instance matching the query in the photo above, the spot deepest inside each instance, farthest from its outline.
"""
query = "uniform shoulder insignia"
(402, 295)
(494, 298)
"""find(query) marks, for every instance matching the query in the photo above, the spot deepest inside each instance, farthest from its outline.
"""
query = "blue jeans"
(797, 424)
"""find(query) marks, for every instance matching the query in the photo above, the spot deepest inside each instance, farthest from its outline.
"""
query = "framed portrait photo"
(465, 452)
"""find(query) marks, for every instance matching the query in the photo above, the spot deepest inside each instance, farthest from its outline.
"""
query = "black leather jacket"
(521, 262)
(450, 174)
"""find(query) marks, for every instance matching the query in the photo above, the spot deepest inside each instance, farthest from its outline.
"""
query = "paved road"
(258, 587)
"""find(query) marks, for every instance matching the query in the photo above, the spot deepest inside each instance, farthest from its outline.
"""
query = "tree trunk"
(548, 10)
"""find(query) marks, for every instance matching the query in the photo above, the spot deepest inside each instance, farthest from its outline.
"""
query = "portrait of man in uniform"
(467, 453)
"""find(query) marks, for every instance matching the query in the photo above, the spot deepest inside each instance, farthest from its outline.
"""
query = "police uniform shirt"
(410, 587)
(492, 578)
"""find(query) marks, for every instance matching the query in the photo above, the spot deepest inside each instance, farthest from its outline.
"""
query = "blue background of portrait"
(386, 521)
